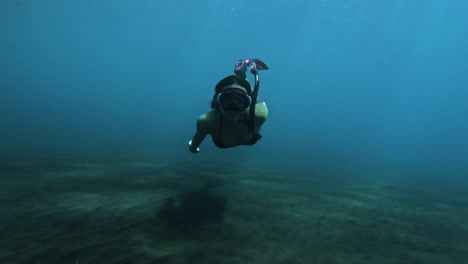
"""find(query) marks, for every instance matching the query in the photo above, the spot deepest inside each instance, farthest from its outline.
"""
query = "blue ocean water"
(362, 84)
(363, 158)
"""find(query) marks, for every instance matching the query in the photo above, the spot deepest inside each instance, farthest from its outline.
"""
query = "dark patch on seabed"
(140, 211)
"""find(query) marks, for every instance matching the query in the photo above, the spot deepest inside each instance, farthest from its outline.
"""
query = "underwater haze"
(361, 83)
(99, 98)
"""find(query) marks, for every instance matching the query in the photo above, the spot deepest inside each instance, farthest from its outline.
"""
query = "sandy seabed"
(79, 212)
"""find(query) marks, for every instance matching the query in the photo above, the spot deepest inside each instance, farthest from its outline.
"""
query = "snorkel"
(253, 65)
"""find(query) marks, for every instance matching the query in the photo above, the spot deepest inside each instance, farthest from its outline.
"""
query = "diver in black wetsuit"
(236, 117)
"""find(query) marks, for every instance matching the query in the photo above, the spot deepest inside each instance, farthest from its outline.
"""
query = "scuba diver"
(236, 117)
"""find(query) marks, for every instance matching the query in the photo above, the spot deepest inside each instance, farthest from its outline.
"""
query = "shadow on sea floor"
(138, 211)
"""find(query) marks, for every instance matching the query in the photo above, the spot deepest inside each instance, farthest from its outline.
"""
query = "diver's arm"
(261, 115)
(199, 136)
(261, 110)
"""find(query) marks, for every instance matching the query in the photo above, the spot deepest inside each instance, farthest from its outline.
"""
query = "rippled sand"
(68, 211)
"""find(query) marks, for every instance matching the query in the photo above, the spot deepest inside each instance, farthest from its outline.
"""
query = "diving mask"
(233, 99)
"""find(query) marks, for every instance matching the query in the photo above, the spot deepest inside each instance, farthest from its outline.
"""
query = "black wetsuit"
(255, 136)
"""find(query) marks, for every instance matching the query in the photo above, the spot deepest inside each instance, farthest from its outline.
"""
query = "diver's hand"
(191, 148)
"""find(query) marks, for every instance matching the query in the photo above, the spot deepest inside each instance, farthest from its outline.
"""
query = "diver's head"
(234, 102)
(233, 96)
